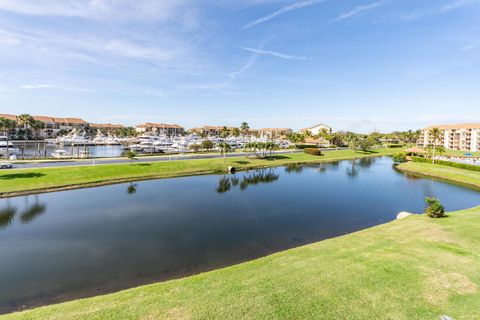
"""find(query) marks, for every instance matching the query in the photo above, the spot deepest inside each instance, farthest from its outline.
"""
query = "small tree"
(207, 145)
(434, 208)
(195, 147)
(224, 149)
(400, 157)
(131, 155)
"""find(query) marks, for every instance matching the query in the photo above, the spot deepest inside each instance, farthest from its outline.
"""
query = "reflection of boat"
(61, 154)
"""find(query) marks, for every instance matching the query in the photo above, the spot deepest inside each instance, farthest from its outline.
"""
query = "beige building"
(272, 133)
(315, 130)
(160, 129)
(454, 137)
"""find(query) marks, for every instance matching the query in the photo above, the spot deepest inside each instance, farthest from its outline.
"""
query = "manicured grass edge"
(106, 182)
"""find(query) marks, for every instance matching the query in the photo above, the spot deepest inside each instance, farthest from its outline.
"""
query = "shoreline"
(73, 308)
(220, 168)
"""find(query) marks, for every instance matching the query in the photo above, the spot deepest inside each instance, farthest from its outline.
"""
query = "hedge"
(305, 146)
(465, 166)
(395, 145)
(313, 151)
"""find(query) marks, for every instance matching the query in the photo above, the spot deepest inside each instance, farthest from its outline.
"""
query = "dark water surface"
(71, 244)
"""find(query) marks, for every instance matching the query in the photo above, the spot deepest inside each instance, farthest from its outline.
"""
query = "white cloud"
(116, 10)
(451, 6)
(288, 8)
(276, 54)
(359, 10)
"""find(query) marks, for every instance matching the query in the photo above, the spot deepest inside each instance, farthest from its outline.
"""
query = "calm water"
(85, 242)
(94, 151)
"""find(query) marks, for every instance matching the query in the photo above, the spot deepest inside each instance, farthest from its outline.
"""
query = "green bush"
(435, 208)
(313, 151)
(400, 157)
(395, 145)
(465, 166)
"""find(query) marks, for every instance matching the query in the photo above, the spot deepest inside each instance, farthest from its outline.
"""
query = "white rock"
(403, 215)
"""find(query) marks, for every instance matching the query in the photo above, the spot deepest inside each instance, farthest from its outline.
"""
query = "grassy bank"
(24, 181)
(416, 268)
(462, 176)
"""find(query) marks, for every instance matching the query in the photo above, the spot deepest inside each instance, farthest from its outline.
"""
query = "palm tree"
(435, 134)
(235, 132)
(36, 127)
(5, 126)
(225, 132)
(25, 120)
(244, 127)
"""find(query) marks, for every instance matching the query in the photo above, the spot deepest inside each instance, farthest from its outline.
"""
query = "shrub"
(395, 145)
(304, 146)
(313, 151)
(459, 165)
(435, 208)
(400, 157)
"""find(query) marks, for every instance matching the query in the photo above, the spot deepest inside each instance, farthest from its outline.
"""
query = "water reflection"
(293, 168)
(32, 212)
(132, 188)
(6, 216)
(250, 178)
(27, 215)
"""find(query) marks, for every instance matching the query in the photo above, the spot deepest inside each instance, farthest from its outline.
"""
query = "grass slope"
(416, 268)
(446, 173)
(23, 181)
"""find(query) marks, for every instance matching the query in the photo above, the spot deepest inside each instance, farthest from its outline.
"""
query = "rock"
(403, 215)
(445, 318)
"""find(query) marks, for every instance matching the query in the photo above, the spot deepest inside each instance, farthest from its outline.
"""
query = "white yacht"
(4, 142)
(74, 138)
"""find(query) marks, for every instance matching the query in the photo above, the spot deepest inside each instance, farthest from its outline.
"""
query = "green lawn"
(20, 181)
(416, 268)
(444, 172)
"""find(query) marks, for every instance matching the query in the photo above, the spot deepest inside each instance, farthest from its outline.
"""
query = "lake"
(79, 243)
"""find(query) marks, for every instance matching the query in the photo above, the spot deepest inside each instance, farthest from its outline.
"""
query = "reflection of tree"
(132, 188)
(262, 176)
(352, 171)
(366, 162)
(6, 216)
(33, 211)
(293, 168)
(224, 185)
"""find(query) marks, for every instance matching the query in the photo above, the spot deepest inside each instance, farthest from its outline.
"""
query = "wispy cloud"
(451, 6)
(118, 10)
(469, 47)
(276, 54)
(288, 8)
(360, 9)
(248, 65)
(41, 86)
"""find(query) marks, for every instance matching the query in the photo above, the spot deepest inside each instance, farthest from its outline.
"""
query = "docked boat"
(6, 147)
(74, 138)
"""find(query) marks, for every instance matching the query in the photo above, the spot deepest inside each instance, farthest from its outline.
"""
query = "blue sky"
(355, 65)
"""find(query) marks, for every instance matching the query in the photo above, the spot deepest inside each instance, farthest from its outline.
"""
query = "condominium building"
(316, 129)
(454, 137)
(211, 131)
(272, 133)
(160, 129)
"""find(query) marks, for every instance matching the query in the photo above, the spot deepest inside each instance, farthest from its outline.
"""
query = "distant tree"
(244, 127)
(5, 126)
(235, 132)
(435, 134)
(294, 137)
(207, 145)
(25, 120)
(195, 147)
(131, 155)
(352, 140)
(224, 132)
(36, 126)
(224, 149)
